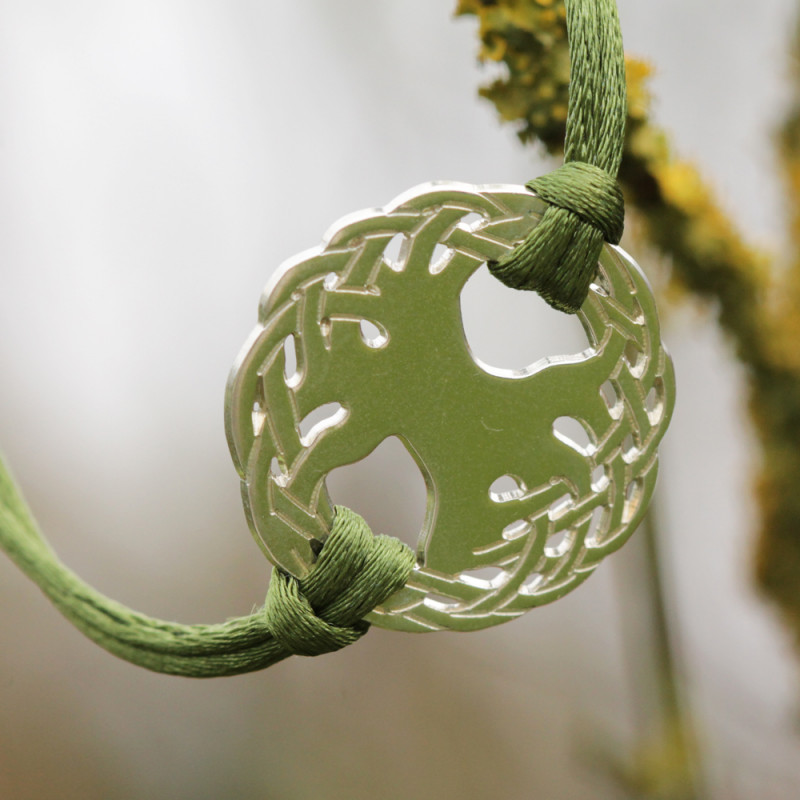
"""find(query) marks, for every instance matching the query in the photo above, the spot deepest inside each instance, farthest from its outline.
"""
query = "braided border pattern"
(554, 548)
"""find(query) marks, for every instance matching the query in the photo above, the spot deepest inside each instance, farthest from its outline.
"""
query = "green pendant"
(518, 513)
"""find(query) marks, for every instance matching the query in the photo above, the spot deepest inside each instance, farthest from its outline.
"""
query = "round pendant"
(518, 514)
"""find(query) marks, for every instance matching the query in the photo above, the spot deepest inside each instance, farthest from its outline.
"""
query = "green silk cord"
(559, 257)
(356, 571)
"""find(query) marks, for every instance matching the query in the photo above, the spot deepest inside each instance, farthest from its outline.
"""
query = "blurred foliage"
(659, 768)
(756, 300)
(756, 303)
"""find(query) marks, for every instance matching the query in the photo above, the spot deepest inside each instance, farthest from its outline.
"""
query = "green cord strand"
(355, 572)
(559, 257)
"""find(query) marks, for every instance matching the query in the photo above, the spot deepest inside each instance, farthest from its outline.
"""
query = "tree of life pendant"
(379, 342)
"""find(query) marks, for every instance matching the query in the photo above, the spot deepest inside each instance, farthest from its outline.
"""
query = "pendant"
(380, 345)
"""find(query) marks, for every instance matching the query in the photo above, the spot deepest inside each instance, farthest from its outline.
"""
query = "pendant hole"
(394, 255)
(439, 602)
(601, 285)
(440, 258)
(531, 584)
(506, 488)
(374, 336)
(575, 434)
(291, 374)
(634, 358)
(598, 526)
(511, 333)
(258, 419)
(559, 543)
(485, 577)
(259, 415)
(319, 420)
(635, 311)
(612, 400)
(386, 488)
(472, 222)
(633, 499)
(629, 449)
(277, 472)
(654, 402)
(560, 506)
(599, 478)
(516, 529)
(598, 289)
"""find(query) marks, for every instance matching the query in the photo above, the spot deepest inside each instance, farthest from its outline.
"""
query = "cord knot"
(355, 572)
(589, 192)
(558, 259)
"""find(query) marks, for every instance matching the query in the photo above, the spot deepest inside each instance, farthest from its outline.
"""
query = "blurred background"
(158, 162)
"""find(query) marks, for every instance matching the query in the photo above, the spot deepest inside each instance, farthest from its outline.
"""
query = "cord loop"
(588, 192)
(355, 572)
(558, 258)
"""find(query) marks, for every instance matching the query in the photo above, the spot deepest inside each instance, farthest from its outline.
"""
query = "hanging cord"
(558, 259)
(355, 572)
